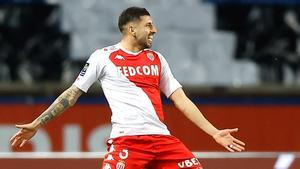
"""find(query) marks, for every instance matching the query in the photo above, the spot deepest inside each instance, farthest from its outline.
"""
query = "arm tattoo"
(64, 101)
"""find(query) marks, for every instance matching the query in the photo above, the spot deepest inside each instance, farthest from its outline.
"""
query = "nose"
(154, 30)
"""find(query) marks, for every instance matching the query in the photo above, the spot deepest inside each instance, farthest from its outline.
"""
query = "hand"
(26, 132)
(224, 138)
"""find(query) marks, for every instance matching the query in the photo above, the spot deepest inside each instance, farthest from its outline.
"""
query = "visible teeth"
(150, 38)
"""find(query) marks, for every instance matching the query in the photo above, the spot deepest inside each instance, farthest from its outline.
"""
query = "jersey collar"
(127, 51)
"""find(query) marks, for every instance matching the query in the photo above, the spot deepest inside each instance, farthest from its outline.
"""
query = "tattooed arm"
(67, 99)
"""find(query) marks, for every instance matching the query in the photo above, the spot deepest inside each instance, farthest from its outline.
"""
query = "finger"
(20, 126)
(14, 136)
(23, 142)
(16, 142)
(238, 141)
(238, 147)
(233, 130)
(229, 149)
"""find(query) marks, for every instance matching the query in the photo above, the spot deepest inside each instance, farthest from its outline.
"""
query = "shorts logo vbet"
(188, 163)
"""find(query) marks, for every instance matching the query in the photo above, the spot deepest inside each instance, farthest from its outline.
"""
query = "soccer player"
(132, 76)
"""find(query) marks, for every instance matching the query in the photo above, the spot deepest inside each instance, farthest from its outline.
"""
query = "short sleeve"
(90, 72)
(168, 84)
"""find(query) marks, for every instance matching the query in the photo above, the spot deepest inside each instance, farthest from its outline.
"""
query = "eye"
(149, 25)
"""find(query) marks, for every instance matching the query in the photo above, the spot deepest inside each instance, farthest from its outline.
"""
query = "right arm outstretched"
(67, 99)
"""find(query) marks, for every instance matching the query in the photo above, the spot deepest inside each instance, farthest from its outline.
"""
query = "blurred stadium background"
(238, 60)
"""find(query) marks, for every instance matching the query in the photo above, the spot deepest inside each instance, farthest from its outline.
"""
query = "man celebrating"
(132, 76)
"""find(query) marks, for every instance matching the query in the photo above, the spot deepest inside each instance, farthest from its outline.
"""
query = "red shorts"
(149, 152)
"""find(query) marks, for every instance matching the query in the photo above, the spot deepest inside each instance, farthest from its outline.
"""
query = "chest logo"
(150, 56)
(119, 57)
(151, 70)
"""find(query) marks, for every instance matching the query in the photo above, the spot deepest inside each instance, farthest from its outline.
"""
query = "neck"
(130, 45)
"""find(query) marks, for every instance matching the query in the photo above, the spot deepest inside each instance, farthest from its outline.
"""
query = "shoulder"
(104, 53)
(110, 49)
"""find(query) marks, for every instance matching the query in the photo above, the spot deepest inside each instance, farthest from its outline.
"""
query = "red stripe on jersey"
(143, 70)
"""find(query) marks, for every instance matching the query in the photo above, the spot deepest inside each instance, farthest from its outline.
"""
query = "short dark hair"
(131, 14)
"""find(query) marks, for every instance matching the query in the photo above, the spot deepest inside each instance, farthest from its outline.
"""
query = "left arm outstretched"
(190, 110)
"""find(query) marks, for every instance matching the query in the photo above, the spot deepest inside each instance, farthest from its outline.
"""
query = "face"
(143, 32)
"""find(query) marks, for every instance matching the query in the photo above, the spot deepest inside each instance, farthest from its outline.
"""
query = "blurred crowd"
(35, 47)
(271, 39)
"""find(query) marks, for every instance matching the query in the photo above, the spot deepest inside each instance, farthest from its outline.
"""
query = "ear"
(131, 30)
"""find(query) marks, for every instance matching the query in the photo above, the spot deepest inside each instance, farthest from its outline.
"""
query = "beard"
(144, 42)
(148, 45)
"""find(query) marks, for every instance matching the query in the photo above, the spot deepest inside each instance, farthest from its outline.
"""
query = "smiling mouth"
(150, 38)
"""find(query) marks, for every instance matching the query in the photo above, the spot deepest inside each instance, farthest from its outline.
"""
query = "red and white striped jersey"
(131, 83)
